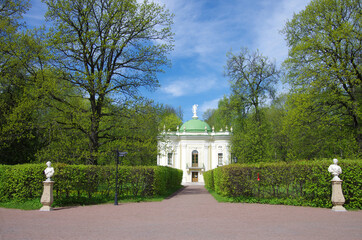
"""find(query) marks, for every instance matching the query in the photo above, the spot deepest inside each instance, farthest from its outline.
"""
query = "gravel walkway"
(191, 214)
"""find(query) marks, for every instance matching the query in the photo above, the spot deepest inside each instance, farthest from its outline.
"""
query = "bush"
(300, 183)
(21, 181)
(24, 182)
(209, 180)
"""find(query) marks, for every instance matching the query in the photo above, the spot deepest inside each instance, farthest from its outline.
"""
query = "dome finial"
(194, 110)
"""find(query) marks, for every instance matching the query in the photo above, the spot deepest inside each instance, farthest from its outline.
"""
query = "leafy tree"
(314, 133)
(169, 117)
(253, 78)
(209, 116)
(135, 132)
(227, 114)
(275, 114)
(107, 49)
(19, 138)
(132, 127)
(324, 68)
(10, 13)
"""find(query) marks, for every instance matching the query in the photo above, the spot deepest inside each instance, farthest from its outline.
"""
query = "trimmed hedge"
(298, 183)
(24, 182)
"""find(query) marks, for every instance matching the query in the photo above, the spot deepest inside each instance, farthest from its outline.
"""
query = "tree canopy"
(71, 93)
(320, 115)
(107, 48)
(324, 63)
(252, 77)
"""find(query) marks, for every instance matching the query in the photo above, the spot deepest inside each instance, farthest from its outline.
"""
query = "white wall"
(207, 145)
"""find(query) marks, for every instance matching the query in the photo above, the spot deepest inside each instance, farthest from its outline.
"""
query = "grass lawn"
(273, 201)
(24, 205)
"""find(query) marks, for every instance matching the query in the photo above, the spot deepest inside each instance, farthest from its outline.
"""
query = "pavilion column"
(227, 156)
(206, 159)
(183, 161)
(213, 156)
(162, 154)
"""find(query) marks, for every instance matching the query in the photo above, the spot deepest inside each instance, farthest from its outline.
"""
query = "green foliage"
(252, 142)
(209, 179)
(253, 78)
(24, 182)
(76, 103)
(166, 178)
(116, 49)
(320, 116)
(10, 13)
(313, 133)
(304, 183)
(32, 204)
(20, 53)
(228, 113)
(170, 122)
(324, 69)
(21, 181)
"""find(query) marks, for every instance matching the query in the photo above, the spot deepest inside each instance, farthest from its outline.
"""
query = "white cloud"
(189, 87)
(213, 104)
(207, 33)
(204, 32)
(271, 20)
(37, 10)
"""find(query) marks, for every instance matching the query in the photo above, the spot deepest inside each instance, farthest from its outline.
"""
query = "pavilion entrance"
(195, 176)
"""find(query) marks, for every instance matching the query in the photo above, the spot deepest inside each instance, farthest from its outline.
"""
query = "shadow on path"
(189, 190)
(193, 190)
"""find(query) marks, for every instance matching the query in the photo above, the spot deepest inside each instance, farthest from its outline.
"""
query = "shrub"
(21, 181)
(209, 180)
(301, 183)
(24, 182)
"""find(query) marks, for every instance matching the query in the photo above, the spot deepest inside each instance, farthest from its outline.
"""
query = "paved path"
(191, 214)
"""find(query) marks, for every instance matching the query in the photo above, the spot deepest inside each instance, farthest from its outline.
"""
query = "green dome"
(195, 125)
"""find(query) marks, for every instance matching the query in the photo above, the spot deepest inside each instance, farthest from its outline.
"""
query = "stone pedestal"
(337, 196)
(47, 197)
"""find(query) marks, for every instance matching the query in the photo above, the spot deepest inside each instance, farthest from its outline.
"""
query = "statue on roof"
(194, 110)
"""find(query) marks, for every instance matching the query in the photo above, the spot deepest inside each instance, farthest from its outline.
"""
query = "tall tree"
(19, 138)
(10, 13)
(324, 63)
(107, 48)
(170, 118)
(227, 114)
(253, 78)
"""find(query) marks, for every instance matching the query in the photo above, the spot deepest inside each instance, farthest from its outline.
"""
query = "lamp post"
(119, 154)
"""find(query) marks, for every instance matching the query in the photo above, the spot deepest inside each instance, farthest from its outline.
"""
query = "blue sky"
(205, 30)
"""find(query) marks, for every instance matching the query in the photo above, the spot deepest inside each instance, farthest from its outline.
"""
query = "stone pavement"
(191, 214)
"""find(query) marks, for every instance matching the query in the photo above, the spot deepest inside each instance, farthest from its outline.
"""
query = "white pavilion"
(194, 148)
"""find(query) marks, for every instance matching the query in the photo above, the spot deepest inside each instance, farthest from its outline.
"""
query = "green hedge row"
(22, 182)
(299, 183)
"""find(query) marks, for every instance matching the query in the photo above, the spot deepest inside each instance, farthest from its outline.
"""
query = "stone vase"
(47, 197)
(337, 196)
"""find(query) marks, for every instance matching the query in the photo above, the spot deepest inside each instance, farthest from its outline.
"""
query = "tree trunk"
(96, 106)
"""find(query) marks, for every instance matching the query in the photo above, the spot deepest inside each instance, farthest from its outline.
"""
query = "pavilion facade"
(194, 148)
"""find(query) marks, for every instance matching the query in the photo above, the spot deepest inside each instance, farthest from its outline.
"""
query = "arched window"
(195, 158)
(220, 158)
(169, 159)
